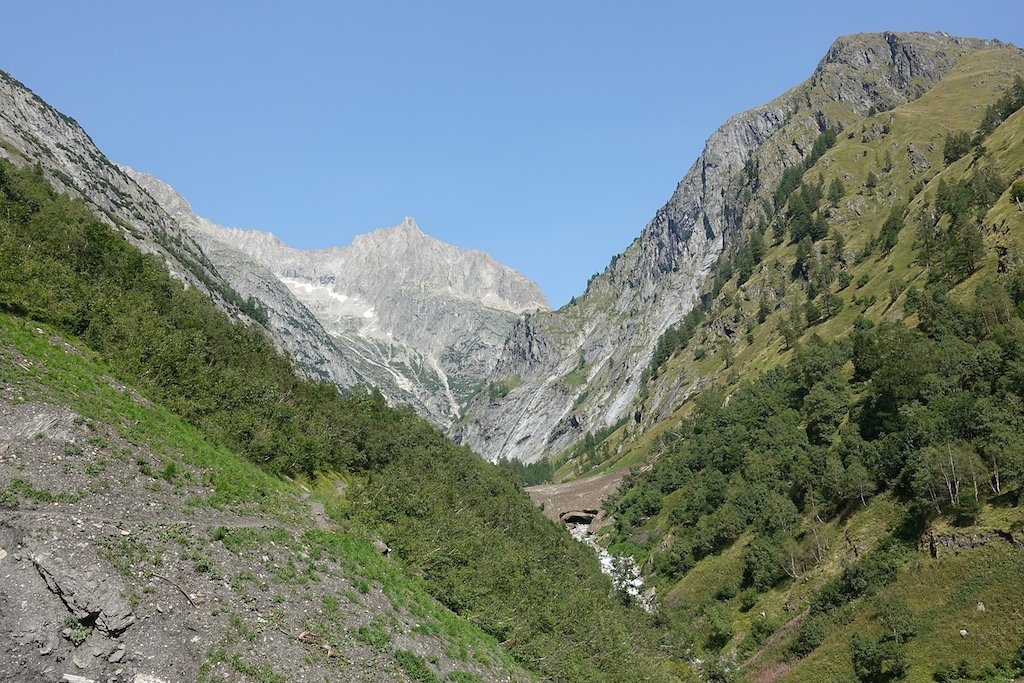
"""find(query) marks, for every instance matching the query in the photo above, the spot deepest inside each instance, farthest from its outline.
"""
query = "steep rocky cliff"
(577, 370)
(397, 309)
(33, 132)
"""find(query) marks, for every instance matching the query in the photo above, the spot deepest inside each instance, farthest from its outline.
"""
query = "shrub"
(957, 144)
(812, 633)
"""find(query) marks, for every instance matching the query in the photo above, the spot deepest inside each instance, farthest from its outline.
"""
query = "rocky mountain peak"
(396, 308)
(404, 256)
(609, 333)
(882, 70)
(405, 233)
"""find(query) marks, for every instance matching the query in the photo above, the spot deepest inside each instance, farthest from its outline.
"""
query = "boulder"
(90, 591)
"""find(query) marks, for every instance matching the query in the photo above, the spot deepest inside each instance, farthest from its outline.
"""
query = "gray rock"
(397, 309)
(608, 335)
(90, 591)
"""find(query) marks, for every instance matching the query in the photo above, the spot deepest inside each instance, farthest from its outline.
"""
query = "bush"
(812, 633)
(1017, 192)
(719, 626)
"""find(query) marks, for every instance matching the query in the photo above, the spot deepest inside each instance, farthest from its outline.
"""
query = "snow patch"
(309, 288)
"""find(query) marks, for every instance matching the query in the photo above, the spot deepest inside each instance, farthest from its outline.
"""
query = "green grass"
(942, 594)
(415, 667)
(83, 383)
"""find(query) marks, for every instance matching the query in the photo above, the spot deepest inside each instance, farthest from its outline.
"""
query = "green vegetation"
(528, 474)
(819, 451)
(930, 414)
(459, 522)
(956, 145)
(499, 390)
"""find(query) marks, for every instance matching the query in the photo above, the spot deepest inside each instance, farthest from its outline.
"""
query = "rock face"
(397, 309)
(296, 331)
(92, 595)
(33, 132)
(577, 370)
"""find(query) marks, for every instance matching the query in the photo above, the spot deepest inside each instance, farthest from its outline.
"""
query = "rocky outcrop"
(937, 544)
(577, 369)
(92, 594)
(397, 309)
(882, 70)
(33, 132)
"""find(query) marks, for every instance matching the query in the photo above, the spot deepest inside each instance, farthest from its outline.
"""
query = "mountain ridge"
(609, 332)
(396, 308)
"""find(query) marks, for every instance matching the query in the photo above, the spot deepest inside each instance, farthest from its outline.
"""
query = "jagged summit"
(408, 229)
(383, 259)
(419, 318)
(883, 70)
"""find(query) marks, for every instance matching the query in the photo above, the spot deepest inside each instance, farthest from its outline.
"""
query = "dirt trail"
(579, 494)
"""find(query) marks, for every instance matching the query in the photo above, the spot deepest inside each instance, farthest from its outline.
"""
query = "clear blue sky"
(545, 133)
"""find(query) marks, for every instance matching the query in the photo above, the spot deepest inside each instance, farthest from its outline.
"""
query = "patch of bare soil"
(759, 673)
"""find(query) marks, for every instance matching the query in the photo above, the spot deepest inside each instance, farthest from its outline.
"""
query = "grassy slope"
(941, 592)
(215, 482)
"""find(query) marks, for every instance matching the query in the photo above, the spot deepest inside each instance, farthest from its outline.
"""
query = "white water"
(624, 571)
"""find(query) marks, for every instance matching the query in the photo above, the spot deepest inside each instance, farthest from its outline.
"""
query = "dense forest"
(461, 523)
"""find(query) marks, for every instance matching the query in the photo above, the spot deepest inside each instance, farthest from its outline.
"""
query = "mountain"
(830, 466)
(438, 312)
(33, 132)
(805, 378)
(418, 318)
(578, 370)
(178, 503)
